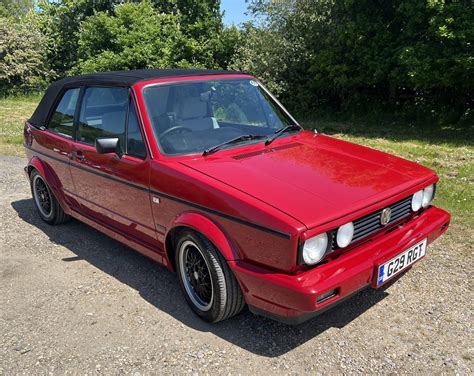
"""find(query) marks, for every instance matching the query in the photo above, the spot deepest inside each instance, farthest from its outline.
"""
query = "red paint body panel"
(177, 180)
(127, 207)
(256, 203)
(292, 296)
(55, 168)
(317, 179)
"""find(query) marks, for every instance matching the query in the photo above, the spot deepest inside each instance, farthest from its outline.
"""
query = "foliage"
(412, 58)
(15, 8)
(60, 22)
(136, 37)
(265, 53)
(351, 53)
(23, 66)
(64, 37)
(204, 41)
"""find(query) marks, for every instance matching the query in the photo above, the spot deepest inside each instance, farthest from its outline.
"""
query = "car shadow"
(160, 288)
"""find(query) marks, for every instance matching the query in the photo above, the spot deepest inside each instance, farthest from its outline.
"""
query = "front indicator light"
(315, 248)
(417, 201)
(345, 234)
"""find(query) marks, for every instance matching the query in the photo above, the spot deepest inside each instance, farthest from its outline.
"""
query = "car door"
(54, 144)
(113, 189)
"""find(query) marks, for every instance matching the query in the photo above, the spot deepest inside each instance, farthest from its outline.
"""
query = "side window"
(62, 121)
(103, 114)
(135, 144)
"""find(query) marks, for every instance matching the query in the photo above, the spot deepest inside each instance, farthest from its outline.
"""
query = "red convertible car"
(206, 173)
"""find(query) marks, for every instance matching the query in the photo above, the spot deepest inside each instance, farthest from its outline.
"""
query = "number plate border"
(379, 270)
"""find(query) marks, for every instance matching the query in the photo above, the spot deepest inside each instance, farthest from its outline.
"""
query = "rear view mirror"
(106, 145)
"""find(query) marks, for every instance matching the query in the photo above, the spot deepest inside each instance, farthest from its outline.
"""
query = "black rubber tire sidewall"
(226, 289)
(57, 214)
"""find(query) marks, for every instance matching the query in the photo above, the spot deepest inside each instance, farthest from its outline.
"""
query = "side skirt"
(129, 242)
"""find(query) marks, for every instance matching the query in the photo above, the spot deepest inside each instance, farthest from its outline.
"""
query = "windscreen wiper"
(244, 137)
(279, 132)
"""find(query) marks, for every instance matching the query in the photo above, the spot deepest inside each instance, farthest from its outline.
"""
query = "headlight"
(345, 234)
(428, 195)
(417, 201)
(315, 248)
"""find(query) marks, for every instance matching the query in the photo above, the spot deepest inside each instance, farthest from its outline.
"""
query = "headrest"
(192, 107)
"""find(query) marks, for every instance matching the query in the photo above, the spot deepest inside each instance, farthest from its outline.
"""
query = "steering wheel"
(176, 128)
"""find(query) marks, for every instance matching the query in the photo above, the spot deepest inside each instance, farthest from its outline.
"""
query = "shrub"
(23, 64)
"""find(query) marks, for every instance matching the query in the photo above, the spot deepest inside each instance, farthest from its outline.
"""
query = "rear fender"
(51, 178)
(207, 227)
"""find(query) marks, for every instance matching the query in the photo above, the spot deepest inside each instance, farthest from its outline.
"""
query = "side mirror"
(107, 145)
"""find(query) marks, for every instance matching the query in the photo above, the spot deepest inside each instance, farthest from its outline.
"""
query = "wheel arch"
(204, 225)
(36, 164)
(45, 171)
(48, 174)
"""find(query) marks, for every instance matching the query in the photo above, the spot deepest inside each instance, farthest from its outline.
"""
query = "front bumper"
(293, 298)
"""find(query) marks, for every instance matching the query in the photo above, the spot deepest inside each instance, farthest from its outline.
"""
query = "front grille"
(370, 223)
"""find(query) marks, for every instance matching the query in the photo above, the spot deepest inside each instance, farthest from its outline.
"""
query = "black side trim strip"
(223, 215)
(109, 177)
(46, 154)
(173, 198)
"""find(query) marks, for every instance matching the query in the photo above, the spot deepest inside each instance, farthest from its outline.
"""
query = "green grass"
(449, 150)
(13, 113)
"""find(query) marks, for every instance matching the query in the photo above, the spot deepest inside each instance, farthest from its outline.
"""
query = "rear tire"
(208, 284)
(47, 205)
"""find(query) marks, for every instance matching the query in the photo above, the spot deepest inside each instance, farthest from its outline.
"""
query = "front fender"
(207, 227)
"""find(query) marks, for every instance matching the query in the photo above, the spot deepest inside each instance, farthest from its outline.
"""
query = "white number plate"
(401, 262)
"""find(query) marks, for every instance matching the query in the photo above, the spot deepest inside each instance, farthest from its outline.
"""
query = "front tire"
(208, 284)
(47, 205)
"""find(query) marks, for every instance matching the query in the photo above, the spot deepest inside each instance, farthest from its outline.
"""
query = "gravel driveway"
(74, 301)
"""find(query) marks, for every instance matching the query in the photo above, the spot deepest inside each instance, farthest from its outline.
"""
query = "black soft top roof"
(115, 78)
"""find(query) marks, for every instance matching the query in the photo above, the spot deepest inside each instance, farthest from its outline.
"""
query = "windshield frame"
(191, 79)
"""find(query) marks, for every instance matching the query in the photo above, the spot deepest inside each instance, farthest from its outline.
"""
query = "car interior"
(191, 118)
(186, 118)
(104, 113)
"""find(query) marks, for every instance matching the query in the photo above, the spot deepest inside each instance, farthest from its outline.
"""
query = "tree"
(204, 41)
(15, 8)
(135, 37)
(60, 22)
(23, 64)
(268, 55)
(353, 52)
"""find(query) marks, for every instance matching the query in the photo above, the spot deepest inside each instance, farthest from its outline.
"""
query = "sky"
(234, 11)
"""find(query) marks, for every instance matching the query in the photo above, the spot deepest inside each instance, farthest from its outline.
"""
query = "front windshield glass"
(191, 116)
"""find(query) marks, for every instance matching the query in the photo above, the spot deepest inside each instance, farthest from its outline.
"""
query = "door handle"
(77, 156)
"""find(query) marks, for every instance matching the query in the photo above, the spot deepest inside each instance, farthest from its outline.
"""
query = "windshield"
(190, 117)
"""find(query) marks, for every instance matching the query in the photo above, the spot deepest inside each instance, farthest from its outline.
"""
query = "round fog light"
(345, 234)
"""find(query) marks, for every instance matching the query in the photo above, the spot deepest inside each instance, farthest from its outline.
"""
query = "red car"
(208, 174)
